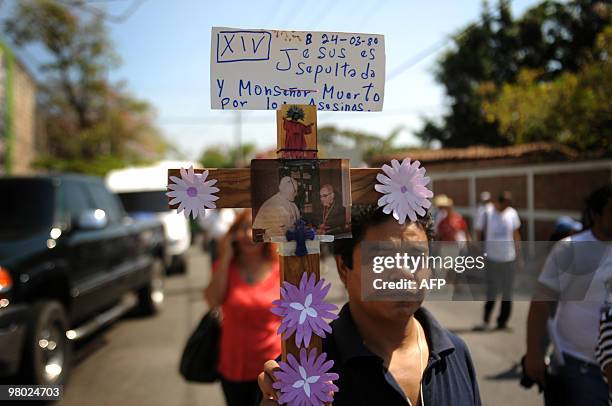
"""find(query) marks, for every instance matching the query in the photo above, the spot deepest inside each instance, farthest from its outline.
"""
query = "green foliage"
(573, 108)
(369, 144)
(90, 123)
(221, 157)
(549, 41)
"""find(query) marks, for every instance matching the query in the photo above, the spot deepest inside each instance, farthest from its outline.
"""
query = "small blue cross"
(300, 234)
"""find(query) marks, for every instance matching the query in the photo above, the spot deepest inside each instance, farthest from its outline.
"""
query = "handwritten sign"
(264, 69)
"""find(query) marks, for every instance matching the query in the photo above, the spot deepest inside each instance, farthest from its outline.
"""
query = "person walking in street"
(453, 235)
(499, 228)
(574, 278)
(452, 227)
(484, 205)
(244, 282)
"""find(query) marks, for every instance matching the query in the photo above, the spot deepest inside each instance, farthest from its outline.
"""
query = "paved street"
(135, 361)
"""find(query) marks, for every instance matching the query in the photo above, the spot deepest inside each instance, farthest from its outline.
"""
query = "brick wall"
(566, 190)
(517, 185)
(456, 189)
(558, 189)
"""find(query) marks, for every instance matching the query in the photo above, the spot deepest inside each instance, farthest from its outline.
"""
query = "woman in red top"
(245, 281)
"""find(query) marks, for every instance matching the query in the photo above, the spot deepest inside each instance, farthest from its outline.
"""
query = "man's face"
(501, 205)
(327, 197)
(389, 232)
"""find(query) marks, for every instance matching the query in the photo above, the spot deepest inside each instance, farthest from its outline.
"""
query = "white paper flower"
(192, 192)
(404, 190)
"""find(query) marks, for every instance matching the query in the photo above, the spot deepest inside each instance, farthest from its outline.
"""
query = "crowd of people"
(388, 352)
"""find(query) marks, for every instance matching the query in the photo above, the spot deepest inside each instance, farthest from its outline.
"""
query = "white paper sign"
(263, 69)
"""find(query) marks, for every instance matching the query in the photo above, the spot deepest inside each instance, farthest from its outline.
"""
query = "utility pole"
(238, 136)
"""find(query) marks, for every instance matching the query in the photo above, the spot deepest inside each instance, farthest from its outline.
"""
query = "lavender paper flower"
(192, 192)
(304, 310)
(404, 190)
(306, 383)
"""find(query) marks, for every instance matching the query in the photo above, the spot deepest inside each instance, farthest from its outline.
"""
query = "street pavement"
(135, 360)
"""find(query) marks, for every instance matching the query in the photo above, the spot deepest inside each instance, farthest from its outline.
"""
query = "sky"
(164, 46)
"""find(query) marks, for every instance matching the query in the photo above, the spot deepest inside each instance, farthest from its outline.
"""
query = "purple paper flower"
(192, 192)
(304, 310)
(306, 383)
(404, 190)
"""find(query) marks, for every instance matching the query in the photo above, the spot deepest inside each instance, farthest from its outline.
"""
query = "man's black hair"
(505, 197)
(596, 202)
(365, 216)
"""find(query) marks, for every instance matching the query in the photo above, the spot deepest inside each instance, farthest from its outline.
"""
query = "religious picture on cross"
(297, 131)
(313, 191)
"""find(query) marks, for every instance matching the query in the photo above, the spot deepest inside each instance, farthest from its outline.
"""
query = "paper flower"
(304, 310)
(192, 192)
(306, 383)
(404, 191)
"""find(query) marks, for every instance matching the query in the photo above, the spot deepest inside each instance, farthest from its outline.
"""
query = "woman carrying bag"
(244, 282)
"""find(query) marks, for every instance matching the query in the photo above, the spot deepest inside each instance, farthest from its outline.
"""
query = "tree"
(87, 118)
(221, 157)
(368, 144)
(551, 38)
(573, 109)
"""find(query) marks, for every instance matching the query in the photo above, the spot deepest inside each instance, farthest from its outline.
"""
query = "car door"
(80, 248)
(113, 248)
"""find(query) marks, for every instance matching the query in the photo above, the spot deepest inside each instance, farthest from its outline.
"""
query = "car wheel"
(151, 297)
(48, 350)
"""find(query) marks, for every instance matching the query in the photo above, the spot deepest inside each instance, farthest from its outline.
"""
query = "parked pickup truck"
(70, 262)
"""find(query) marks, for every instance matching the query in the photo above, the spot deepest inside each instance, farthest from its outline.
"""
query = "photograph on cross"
(315, 191)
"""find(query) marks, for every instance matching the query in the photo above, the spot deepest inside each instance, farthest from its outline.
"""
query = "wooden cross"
(235, 192)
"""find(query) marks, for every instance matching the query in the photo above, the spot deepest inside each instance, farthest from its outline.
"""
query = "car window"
(74, 199)
(145, 202)
(106, 201)
(26, 206)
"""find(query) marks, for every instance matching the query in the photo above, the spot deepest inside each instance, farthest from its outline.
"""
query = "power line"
(376, 6)
(272, 17)
(323, 13)
(413, 60)
(118, 19)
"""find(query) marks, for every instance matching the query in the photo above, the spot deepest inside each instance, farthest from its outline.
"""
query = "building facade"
(546, 181)
(17, 115)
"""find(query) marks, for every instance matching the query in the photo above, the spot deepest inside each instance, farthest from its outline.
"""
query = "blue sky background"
(164, 46)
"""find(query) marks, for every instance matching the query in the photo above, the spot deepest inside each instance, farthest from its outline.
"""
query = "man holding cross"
(389, 353)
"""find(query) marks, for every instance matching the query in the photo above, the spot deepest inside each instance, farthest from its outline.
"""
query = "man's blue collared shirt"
(448, 379)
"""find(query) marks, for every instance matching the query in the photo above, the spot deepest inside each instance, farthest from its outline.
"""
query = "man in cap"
(452, 227)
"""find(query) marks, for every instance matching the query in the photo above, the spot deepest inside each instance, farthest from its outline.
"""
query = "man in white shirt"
(574, 276)
(499, 227)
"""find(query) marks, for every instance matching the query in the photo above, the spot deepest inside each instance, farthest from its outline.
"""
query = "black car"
(70, 261)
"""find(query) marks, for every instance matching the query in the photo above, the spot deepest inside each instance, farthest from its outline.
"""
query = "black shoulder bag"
(201, 353)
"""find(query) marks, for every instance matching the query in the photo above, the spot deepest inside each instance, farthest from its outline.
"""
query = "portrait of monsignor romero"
(279, 213)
